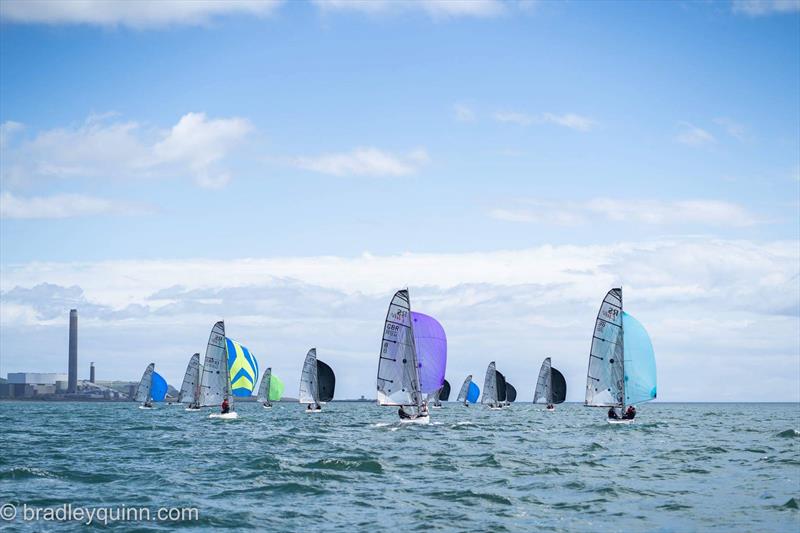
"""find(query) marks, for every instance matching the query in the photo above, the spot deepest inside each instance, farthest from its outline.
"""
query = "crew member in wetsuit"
(550, 406)
(630, 413)
(612, 413)
(226, 407)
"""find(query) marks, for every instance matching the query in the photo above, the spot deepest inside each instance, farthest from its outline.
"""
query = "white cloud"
(702, 300)
(757, 8)
(463, 113)
(63, 206)
(434, 8)
(108, 148)
(365, 161)
(694, 136)
(733, 128)
(514, 117)
(135, 14)
(567, 120)
(570, 120)
(651, 212)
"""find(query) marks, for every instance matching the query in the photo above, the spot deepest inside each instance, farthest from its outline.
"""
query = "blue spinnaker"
(640, 362)
(431, 344)
(158, 390)
(473, 392)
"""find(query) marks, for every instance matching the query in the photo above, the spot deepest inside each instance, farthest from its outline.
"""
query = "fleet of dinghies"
(411, 371)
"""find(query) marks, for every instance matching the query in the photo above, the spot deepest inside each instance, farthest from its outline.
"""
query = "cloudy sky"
(287, 166)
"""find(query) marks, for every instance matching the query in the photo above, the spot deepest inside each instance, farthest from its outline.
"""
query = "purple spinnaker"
(431, 344)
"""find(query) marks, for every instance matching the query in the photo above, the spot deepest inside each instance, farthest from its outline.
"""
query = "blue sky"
(287, 166)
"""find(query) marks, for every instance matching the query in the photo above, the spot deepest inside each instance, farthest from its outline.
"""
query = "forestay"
(143, 390)
(604, 377)
(398, 375)
(215, 382)
(191, 382)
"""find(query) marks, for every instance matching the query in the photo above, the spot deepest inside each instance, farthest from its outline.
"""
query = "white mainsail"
(604, 378)
(189, 387)
(215, 382)
(398, 372)
(142, 394)
(490, 385)
(544, 383)
(462, 394)
(309, 390)
(263, 389)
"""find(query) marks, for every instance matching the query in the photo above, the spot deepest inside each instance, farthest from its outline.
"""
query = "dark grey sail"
(511, 393)
(326, 381)
(444, 392)
(501, 386)
(559, 386)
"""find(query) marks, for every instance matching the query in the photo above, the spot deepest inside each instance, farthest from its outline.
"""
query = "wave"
(369, 466)
(789, 434)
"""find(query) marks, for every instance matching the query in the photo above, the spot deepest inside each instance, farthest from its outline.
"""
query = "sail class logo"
(242, 367)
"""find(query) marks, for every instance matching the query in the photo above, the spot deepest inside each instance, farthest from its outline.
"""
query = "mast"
(398, 375)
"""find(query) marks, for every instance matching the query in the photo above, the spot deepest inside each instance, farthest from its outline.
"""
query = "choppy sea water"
(681, 467)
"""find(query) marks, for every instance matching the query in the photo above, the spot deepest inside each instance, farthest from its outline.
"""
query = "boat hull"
(145, 407)
(418, 420)
(192, 409)
(267, 406)
(227, 416)
(311, 411)
(620, 421)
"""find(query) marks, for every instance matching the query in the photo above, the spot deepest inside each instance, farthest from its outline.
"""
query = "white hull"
(495, 408)
(418, 420)
(227, 416)
(266, 406)
(436, 406)
(145, 407)
(310, 411)
(620, 421)
(192, 409)
(550, 409)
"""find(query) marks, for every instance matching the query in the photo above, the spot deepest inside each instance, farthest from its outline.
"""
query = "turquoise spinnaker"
(473, 392)
(640, 362)
(158, 389)
(243, 369)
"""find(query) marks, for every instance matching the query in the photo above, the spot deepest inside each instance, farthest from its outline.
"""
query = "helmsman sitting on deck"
(612, 413)
(630, 413)
(226, 407)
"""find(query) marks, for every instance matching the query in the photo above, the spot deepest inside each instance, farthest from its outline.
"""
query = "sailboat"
(551, 387)
(264, 389)
(190, 389)
(398, 371)
(152, 388)
(469, 392)
(622, 363)
(317, 383)
(494, 388)
(215, 383)
(441, 395)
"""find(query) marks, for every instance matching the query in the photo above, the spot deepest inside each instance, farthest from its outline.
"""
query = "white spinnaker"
(543, 384)
(189, 386)
(398, 373)
(215, 383)
(309, 389)
(263, 389)
(462, 394)
(143, 390)
(604, 378)
(490, 386)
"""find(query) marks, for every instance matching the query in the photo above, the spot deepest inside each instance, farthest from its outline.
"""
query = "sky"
(287, 166)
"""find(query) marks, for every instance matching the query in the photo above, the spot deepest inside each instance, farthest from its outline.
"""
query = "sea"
(354, 467)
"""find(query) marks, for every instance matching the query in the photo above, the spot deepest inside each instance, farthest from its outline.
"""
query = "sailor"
(225, 406)
(550, 406)
(403, 414)
(630, 413)
(148, 403)
(612, 413)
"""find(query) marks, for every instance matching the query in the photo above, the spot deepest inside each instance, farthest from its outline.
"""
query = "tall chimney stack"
(91, 372)
(72, 380)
